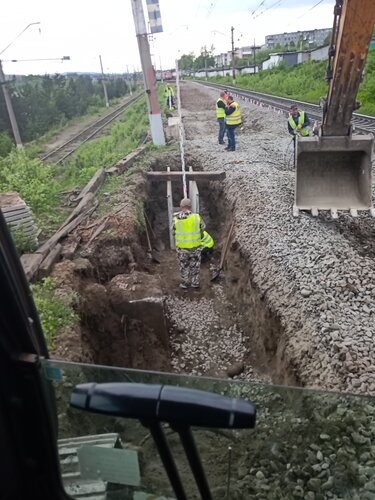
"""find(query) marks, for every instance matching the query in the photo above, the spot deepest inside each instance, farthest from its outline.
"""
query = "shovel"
(224, 254)
(154, 255)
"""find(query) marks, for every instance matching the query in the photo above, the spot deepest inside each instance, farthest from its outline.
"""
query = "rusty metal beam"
(353, 36)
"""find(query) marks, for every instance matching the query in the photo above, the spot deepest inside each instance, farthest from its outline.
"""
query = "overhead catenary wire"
(307, 11)
(210, 9)
(259, 6)
(276, 4)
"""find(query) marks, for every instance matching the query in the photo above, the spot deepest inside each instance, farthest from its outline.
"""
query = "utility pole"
(104, 84)
(8, 103)
(154, 115)
(205, 63)
(161, 70)
(254, 56)
(128, 78)
(233, 70)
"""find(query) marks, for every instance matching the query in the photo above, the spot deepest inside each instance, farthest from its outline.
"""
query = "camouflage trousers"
(190, 263)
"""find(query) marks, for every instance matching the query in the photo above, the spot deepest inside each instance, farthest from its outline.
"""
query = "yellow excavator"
(333, 168)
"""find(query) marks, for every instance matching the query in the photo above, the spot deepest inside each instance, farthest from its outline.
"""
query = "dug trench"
(133, 314)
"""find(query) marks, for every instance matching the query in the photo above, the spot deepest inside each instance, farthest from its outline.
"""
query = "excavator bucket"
(333, 173)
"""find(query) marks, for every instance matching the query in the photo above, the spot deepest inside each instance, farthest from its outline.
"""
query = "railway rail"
(361, 123)
(59, 154)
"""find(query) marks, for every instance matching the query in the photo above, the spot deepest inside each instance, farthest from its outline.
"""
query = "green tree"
(42, 102)
(205, 59)
(186, 62)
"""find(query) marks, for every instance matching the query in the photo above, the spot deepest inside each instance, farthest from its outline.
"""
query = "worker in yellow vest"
(298, 122)
(233, 119)
(220, 115)
(169, 95)
(207, 245)
(188, 228)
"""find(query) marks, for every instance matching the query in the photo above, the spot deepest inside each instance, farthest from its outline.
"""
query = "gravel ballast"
(316, 274)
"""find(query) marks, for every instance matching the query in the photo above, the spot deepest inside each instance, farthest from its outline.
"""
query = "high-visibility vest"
(235, 117)
(304, 131)
(207, 241)
(220, 112)
(188, 231)
(168, 90)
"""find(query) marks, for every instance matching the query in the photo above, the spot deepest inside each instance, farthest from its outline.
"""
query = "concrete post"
(104, 85)
(233, 70)
(8, 103)
(154, 115)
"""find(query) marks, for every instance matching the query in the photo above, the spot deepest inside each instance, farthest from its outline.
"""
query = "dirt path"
(71, 131)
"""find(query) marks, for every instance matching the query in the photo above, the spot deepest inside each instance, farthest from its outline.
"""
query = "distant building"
(317, 37)
(297, 57)
(225, 58)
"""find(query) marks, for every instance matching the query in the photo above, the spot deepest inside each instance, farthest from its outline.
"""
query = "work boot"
(221, 142)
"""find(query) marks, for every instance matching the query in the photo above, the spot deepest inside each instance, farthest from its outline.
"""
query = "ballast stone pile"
(324, 293)
(202, 343)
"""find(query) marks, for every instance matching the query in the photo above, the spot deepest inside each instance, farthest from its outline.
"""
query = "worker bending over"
(233, 119)
(188, 228)
(298, 122)
(169, 95)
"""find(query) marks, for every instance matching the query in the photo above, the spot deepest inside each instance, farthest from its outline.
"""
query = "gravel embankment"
(324, 293)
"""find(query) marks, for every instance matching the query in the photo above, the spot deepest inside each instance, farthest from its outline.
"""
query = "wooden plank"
(22, 224)
(190, 176)
(13, 208)
(49, 244)
(126, 162)
(30, 263)
(48, 262)
(83, 206)
(93, 185)
(15, 217)
(69, 247)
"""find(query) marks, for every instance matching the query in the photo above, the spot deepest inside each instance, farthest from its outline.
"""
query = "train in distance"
(167, 75)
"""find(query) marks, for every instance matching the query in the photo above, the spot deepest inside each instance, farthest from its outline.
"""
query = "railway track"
(59, 154)
(361, 123)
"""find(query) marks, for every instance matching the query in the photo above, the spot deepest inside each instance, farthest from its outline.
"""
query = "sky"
(83, 30)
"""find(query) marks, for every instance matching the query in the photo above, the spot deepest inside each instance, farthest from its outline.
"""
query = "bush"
(22, 242)
(6, 144)
(55, 312)
(31, 179)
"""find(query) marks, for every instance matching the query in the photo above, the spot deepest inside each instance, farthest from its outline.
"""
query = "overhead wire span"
(306, 12)
(276, 4)
(259, 6)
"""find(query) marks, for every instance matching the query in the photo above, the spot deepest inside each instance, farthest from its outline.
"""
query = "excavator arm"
(333, 169)
(351, 34)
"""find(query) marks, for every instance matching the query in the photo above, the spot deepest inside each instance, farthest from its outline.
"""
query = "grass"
(55, 311)
(39, 185)
(306, 82)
